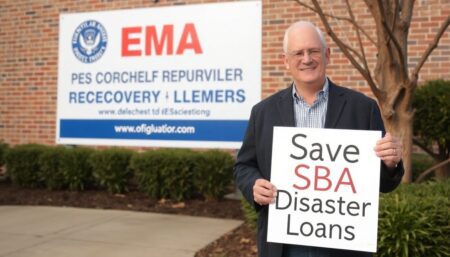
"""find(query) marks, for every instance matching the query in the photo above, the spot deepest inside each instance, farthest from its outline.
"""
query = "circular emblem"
(89, 41)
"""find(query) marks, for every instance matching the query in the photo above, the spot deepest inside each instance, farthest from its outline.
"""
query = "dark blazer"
(347, 109)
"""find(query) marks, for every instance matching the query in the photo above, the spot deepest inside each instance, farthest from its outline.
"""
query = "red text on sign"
(321, 179)
(154, 43)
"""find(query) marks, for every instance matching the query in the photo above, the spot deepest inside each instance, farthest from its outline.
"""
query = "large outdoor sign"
(328, 186)
(181, 76)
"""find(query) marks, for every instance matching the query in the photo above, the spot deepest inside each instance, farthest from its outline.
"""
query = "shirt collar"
(321, 94)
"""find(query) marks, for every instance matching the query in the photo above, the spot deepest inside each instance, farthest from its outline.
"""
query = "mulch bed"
(239, 242)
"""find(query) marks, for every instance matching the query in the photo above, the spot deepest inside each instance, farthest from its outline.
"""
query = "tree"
(390, 81)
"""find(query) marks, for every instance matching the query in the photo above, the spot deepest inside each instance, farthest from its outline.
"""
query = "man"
(311, 101)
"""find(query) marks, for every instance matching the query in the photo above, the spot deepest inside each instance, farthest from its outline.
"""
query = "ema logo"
(89, 41)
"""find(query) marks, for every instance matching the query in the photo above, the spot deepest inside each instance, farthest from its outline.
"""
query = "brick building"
(29, 53)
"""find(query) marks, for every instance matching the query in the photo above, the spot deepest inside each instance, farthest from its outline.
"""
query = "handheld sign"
(328, 187)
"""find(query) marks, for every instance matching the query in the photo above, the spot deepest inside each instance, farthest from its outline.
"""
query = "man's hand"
(264, 192)
(389, 149)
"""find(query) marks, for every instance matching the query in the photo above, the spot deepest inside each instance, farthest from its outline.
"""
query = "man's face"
(306, 59)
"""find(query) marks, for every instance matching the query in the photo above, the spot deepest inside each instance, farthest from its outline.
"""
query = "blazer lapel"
(336, 104)
(285, 107)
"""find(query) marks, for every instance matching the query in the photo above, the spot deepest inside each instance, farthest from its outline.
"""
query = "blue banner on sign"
(189, 130)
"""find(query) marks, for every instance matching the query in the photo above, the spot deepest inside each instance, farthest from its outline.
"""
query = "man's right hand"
(264, 192)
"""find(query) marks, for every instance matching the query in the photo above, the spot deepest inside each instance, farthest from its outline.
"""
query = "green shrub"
(110, 169)
(165, 173)
(213, 173)
(22, 164)
(76, 168)
(180, 174)
(145, 166)
(251, 217)
(432, 120)
(49, 165)
(177, 180)
(3, 150)
(414, 221)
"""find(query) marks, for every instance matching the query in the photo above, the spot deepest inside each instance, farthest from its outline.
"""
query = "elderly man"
(314, 101)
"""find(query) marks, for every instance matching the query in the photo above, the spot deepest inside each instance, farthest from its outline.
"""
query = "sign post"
(328, 188)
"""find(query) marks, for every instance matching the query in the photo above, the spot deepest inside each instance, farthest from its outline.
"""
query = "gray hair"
(299, 24)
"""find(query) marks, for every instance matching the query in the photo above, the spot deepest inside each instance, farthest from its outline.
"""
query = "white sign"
(328, 188)
(180, 76)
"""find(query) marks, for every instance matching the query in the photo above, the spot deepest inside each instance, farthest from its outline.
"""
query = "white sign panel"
(181, 76)
(328, 188)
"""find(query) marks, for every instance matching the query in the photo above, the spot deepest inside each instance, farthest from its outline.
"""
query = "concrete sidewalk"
(66, 232)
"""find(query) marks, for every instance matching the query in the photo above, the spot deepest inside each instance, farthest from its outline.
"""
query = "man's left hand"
(389, 149)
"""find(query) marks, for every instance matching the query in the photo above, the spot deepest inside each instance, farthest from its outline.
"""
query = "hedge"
(183, 174)
(110, 169)
(76, 168)
(50, 162)
(213, 173)
(165, 173)
(22, 164)
(177, 174)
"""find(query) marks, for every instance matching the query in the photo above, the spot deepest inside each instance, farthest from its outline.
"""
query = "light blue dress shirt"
(313, 116)
(307, 116)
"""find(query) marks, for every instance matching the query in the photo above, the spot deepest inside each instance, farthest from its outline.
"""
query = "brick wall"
(29, 53)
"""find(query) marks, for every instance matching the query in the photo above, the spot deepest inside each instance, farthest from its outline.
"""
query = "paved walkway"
(74, 232)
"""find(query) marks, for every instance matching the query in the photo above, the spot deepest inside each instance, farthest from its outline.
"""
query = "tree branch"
(349, 48)
(363, 58)
(431, 47)
(392, 37)
(396, 43)
(425, 148)
(340, 18)
(346, 50)
(407, 10)
(428, 171)
(395, 14)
